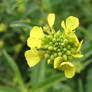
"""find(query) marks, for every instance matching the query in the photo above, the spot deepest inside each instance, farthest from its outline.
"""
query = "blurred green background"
(17, 17)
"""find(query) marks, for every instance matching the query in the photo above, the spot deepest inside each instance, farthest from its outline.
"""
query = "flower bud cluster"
(60, 45)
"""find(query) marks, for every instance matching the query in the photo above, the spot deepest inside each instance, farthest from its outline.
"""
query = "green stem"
(80, 85)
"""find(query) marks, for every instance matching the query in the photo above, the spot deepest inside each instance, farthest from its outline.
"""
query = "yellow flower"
(32, 57)
(57, 47)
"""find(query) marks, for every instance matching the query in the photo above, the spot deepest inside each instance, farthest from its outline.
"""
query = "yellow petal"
(51, 19)
(78, 55)
(36, 32)
(33, 42)
(74, 37)
(72, 23)
(70, 72)
(57, 62)
(32, 57)
(69, 69)
(63, 25)
(79, 46)
(35, 38)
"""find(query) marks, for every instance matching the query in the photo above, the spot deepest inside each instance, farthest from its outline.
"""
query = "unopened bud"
(66, 41)
(64, 57)
(55, 54)
(60, 53)
(46, 55)
(62, 44)
(68, 53)
(68, 46)
(52, 57)
(64, 49)
(50, 47)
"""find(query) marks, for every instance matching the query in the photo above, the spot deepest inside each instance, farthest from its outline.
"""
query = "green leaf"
(89, 81)
(49, 82)
(8, 89)
(38, 73)
(20, 25)
(15, 69)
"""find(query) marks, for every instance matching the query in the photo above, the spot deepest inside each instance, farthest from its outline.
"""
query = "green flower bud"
(61, 36)
(55, 35)
(56, 43)
(50, 48)
(55, 54)
(58, 50)
(58, 33)
(62, 44)
(50, 36)
(68, 53)
(55, 48)
(46, 55)
(66, 41)
(58, 39)
(54, 39)
(72, 50)
(59, 43)
(46, 29)
(64, 57)
(70, 41)
(64, 49)
(68, 47)
(51, 43)
(52, 57)
(61, 47)
(60, 53)
(45, 46)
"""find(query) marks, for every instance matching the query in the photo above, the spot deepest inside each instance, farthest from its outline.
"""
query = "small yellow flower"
(57, 47)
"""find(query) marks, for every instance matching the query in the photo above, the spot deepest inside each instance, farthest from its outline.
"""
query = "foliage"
(17, 17)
